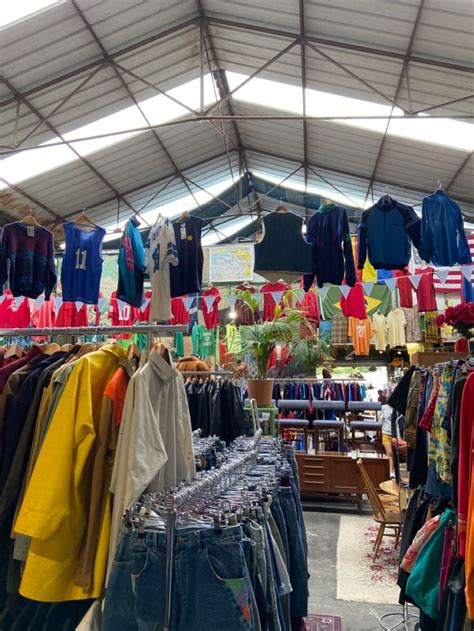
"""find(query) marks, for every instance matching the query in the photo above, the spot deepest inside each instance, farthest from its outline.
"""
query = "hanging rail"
(316, 379)
(95, 330)
(206, 373)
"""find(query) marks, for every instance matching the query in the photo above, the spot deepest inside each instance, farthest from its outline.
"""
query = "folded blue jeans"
(211, 587)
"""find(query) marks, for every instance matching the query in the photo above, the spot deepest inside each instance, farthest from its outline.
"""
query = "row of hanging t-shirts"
(79, 426)
(437, 545)
(243, 568)
(324, 390)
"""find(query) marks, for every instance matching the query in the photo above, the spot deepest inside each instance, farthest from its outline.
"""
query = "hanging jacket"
(131, 265)
(386, 231)
(443, 238)
(328, 232)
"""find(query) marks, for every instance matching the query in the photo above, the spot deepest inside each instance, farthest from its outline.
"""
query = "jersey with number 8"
(82, 264)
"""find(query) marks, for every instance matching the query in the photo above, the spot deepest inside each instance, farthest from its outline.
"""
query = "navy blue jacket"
(386, 232)
(328, 232)
(443, 239)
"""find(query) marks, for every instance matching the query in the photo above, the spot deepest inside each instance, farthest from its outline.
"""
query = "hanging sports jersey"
(210, 299)
(144, 312)
(121, 314)
(82, 264)
(14, 312)
(186, 277)
(131, 265)
(160, 252)
(70, 315)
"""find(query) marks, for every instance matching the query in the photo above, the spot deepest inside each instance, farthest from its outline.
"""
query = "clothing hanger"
(325, 201)
(184, 215)
(83, 219)
(133, 351)
(49, 348)
(281, 209)
(29, 220)
(15, 350)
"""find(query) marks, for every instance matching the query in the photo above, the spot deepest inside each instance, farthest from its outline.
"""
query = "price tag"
(182, 229)
(30, 231)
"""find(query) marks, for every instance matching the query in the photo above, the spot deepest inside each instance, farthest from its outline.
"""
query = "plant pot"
(261, 390)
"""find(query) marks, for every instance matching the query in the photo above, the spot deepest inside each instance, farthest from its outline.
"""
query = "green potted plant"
(311, 353)
(260, 340)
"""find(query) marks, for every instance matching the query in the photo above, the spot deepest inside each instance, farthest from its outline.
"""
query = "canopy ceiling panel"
(280, 13)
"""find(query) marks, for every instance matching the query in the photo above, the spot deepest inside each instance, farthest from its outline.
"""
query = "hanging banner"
(391, 283)
(57, 303)
(323, 292)
(187, 302)
(39, 302)
(299, 294)
(345, 290)
(277, 296)
(19, 300)
(442, 274)
(466, 271)
(380, 300)
(209, 301)
(232, 298)
(101, 303)
(415, 281)
(121, 304)
(368, 286)
(79, 305)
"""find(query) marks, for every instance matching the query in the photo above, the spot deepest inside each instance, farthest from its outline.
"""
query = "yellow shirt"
(53, 511)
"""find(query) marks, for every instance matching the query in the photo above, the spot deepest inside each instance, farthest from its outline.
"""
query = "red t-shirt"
(69, 316)
(354, 305)
(211, 316)
(405, 288)
(268, 300)
(180, 314)
(121, 314)
(309, 307)
(13, 316)
(426, 292)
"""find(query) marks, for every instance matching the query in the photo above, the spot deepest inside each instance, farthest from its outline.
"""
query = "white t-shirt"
(386, 418)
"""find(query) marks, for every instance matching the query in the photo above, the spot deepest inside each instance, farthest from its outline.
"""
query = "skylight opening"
(158, 109)
(287, 98)
(18, 10)
(220, 233)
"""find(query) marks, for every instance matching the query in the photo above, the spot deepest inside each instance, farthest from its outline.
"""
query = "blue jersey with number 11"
(82, 264)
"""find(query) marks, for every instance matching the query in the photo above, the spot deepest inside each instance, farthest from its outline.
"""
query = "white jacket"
(154, 448)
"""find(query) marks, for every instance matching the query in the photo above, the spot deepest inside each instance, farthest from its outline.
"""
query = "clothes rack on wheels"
(206, 373)
(209, 481)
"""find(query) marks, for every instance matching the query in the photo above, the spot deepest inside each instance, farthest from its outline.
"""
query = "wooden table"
(336, 474)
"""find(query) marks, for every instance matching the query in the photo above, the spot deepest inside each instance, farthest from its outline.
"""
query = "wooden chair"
(382, 509)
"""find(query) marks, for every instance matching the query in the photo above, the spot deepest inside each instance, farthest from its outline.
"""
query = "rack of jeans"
(238, 555)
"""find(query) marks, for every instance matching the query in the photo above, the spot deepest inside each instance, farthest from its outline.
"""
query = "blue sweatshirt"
(328, 232)
(443, 239)
(131, 264)
(386, 232)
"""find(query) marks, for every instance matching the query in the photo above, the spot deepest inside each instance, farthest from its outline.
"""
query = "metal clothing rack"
(203, 484)
(206, 373)
(316, 379)
(94, 330)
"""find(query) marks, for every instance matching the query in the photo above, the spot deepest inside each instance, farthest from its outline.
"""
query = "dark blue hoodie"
(386, 232)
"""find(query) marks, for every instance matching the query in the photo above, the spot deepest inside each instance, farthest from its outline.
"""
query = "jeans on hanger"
(211, 587)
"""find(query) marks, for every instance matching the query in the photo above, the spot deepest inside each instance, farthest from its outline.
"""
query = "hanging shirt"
(269, 303)
(15, 312)
(211, 313)
(405, 288)
(29, 251)
(232, 339)
(245, 315)
(144, 313)
(413, 331)
(121, 314)
(186, 277)
(53, 511)
(360, 331)
(70, 316)
(354, 305)
(152, 453)
(396, 323)
(179, 312)
(283, 251)
(161, 253)
(426, 293)
(82, 264)
(379, 324)
(328, 232)
(131, 265)
(309, 307)
(43, 316)
(204, 341)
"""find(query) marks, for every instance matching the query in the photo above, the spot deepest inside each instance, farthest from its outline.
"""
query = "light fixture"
(232, 315)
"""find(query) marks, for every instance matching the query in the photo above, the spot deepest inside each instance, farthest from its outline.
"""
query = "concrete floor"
(322, 526)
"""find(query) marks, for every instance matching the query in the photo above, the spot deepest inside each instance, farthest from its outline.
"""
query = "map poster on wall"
(231, 263)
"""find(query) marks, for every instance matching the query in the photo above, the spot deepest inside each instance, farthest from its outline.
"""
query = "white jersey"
(160, 253)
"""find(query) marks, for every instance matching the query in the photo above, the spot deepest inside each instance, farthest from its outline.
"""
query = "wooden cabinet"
(337, 474)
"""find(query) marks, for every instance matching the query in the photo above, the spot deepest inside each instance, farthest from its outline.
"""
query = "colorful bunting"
(102, 302)
(187, 302)
(368, 285)
(39, 302)
(209, 301)
(391, 283)
(442, 274)
(345, 290)
(232, 298)
(277, 296)
(79, 305)
(299, 294)
(466, 271)
(2, 298)
(121, 304)
(323, 292)
(57, 303)
(19, 300)
(415, 281)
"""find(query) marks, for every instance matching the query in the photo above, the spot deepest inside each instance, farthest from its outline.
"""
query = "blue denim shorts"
(211, 588)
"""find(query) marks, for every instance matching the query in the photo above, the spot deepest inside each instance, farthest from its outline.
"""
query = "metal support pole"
(170, 535)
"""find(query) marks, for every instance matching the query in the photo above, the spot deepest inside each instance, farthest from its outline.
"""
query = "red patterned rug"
(323, 622)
